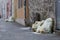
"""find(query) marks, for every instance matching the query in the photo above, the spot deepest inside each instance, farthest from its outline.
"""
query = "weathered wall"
(19, 13)
(46, 8)
(3, 6)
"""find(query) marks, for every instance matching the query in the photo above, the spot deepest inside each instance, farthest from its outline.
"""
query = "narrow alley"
(29, 19)
(15, 31)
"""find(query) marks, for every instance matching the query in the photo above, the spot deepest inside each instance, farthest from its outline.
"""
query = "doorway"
(58, 14)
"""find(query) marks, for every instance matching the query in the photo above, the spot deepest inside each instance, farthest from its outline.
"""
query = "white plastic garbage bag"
(46, 26)
(10, 19)
(36, 24)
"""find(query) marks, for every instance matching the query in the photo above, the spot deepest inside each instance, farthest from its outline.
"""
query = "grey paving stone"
(14, 31)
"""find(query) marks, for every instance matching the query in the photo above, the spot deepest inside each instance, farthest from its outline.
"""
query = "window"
(19, 3)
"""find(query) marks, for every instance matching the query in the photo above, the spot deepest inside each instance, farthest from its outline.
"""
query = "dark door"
(58, 14)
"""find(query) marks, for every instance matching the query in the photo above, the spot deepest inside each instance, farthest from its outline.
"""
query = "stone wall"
(45, 8)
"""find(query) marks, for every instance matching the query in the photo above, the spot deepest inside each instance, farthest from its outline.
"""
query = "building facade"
(33, 10)
(40, 10)
(19, 11)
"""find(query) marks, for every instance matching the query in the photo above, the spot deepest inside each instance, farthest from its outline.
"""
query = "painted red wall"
(9, 9)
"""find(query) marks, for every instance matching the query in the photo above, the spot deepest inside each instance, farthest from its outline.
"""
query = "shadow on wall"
(32, 18)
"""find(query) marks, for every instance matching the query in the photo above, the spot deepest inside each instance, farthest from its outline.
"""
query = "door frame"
(26, 12)
(56, 16)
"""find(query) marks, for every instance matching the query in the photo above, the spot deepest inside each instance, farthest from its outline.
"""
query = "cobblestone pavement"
(15, 31)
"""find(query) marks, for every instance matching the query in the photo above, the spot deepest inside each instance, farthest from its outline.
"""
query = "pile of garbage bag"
(44, 26)
(10, 19)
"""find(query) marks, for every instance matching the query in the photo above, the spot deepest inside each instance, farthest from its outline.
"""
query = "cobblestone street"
(15, 31)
